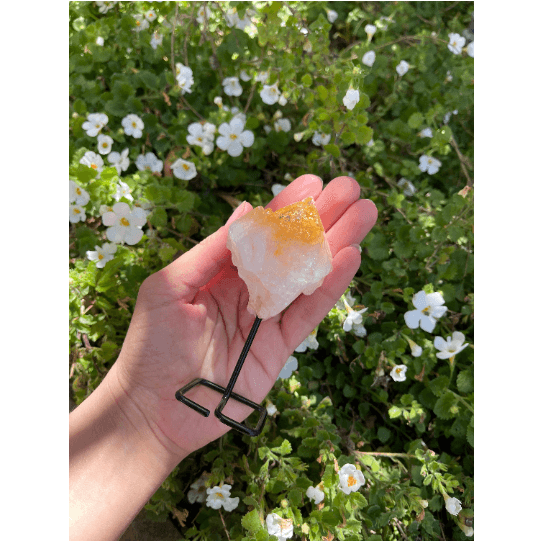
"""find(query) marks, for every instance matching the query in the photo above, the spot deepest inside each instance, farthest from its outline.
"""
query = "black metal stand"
(228, 393)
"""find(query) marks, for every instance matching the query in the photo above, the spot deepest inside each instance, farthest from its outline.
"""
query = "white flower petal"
(412, 319)
(133, 235)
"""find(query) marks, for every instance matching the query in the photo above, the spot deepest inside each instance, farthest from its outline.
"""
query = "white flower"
(218, 101)
(132, 125)
(140, 22)
(185, 78)
(184, 170)
(220, 496)
(77, 214)
(351, 98)
(369, 58)
(99, 41)
(453, 505)
(149, 162)
(470, 52)
(398, 373)
(156, 40)
(353, 318)
(123, 191)
(315, 494)
(104, 7)
(94, 123)
(232, 87)
(198, 492)
(203, 13)
(78, 195)
(150, 15)
(271, 409)
(283, 125)
(370, 29)
(410, 190)
(237, 114)
(262, 77)
(289, 367)
(233, 137)
(298, 136)
(232, 19)
(456, 43)
(93, 160)
(120, 161)
(279, 527)
(402, 67)
(370, 143)
(332, 15)
(309, 342)
(451, 346)
(202, 136)
(449, 76)
(282, 100)
(350, 300)
(105, 208)
(277, 189)
(426, 132)
(429, 164)
(446, 118)
(104, 144)
(125, 224)
(469, 531)
(288, 177)
(245, 76)
(428, 308)
(359, 330)
(270, 94)
(350, 479)
(103, 254)
(416, 349)
(321, 139)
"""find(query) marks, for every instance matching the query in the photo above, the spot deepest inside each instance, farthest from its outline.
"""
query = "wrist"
(116, 463)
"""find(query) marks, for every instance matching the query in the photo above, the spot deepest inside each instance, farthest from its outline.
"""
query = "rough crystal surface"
(279, 255)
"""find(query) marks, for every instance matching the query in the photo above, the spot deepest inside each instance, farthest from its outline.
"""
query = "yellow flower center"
(186, 167)
(134, 125)
(137, 23)
(78, 190)
(97, 126)
(76, 211)
(398, 370)
(100, 256)
(124, 222)
(147, 167)
(351, 481)
(233, 137)
(104, 145)
(219, 495)
(93, 166)
(426, 310)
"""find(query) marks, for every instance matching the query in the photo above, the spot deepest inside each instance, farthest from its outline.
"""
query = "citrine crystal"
(279, 255)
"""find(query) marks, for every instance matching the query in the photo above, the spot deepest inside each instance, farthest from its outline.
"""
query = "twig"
(463, 161)
(224, 523)
(185, 102)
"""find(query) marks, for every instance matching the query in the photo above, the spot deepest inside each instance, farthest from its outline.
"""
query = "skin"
(191, 321)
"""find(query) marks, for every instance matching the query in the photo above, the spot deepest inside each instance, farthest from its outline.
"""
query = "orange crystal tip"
(299, 221)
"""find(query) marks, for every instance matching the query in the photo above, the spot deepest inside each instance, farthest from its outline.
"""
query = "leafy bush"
(373, 393)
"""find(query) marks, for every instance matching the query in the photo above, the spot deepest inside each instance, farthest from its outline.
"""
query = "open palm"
(191, 321)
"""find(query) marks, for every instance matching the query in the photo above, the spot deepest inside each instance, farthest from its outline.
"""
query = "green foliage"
(412, 440)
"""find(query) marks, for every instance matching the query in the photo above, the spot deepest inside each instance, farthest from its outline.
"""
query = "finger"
(336, 198)
(306, 312)
(301, 188)
(194, 269)
(352, 227)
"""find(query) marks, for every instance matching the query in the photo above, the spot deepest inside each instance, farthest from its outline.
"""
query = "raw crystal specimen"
(279, 255)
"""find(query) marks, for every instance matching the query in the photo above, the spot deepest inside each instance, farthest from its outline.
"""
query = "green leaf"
(383, 434)
(333, 150)
(470, 432)
(158, 217)
(415, 120)
(465, 380)
(348, 138)
(322, 92)
(394, 412)
(306, 80)
(349, 391)
(364, 135)
(295, 496)
(378, 247)
(251, 521)
(446, 406)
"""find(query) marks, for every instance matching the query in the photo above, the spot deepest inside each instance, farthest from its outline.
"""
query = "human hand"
(191, 321)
